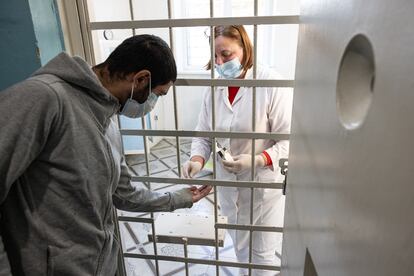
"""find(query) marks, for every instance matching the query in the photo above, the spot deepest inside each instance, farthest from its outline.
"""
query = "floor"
(163, 163)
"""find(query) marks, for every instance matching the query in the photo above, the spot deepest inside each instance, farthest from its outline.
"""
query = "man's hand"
(243, 162)
(199, 193)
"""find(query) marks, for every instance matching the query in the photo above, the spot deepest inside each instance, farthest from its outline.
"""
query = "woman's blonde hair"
(238, 33)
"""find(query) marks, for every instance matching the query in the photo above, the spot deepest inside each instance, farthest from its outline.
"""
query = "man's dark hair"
(141, 52)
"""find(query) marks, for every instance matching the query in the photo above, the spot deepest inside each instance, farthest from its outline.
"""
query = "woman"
(233, 106)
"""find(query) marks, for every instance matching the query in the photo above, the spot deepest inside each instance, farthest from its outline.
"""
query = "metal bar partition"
(209, 134)
(201, 261)
(195, 22)
(240, 83)
(224, 183)
(171, 23)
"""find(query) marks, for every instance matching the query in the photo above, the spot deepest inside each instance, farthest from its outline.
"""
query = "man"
(61, 167)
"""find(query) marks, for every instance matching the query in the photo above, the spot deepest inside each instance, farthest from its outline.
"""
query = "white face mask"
(134, 109)
(230, 69)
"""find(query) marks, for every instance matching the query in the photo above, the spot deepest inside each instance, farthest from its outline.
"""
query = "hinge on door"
(283, 164)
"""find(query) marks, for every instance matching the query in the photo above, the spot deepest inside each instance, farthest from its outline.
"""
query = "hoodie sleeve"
(134, 199)
(28, 111)
(131, 198)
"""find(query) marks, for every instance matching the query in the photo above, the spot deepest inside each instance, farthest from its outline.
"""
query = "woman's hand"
(192, 167)
(243, 162)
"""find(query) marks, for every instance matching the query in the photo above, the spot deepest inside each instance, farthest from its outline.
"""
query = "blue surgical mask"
(230, 69)
(134, 109)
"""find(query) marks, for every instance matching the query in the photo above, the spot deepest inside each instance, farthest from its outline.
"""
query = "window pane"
(154, 9)
(277, 48)
(163, 33)
(192, 50)
(233, 8)
(198, 47)
(105, 41)
(98, 10)
(191, 9)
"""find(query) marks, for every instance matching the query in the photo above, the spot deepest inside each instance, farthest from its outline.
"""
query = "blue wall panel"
(30, 35)
(47, 28)
(18, 45)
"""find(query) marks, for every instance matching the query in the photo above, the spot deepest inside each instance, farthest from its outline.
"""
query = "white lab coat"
(273, 114)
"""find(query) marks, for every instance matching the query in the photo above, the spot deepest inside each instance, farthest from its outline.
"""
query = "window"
(276, 44)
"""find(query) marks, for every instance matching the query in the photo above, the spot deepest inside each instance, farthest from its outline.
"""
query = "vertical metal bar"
(252, 177)
(212, 60)
(131, 12)
(157, 268)
(177, 138)
(213, 141)
(185, 240)
(147, 165)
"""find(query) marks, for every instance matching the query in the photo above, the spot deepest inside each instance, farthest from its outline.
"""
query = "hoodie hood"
(76, 71)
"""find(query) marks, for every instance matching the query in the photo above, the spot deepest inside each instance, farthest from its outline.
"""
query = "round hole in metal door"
(355, 84)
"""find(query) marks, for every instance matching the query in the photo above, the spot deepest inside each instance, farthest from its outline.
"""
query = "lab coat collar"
(224, 96)
(224, 92)
(242, 90)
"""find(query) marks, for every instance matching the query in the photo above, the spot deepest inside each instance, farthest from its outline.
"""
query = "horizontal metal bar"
(200, 261)
(188, 240)
(212, 182)
(195, 22)
(235, 82)
(262, 228)
(209, 134)
(135, 219)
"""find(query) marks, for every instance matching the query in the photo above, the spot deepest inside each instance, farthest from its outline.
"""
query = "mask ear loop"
(150, 90)
(132, 89)
(133, 85)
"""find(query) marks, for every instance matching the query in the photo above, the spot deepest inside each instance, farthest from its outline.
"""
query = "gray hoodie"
(61, 173)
